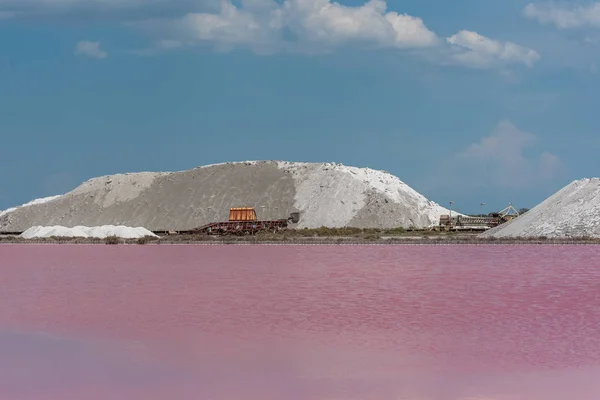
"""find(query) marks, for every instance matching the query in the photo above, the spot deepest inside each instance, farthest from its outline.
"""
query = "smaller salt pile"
(100, 232)
(572, 212)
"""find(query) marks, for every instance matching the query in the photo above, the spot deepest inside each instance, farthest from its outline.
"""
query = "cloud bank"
(503, 159)
(563, 15)
(322, 25)
(480, 51)
(306, 26)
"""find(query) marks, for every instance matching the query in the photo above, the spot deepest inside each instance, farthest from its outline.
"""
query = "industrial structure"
(476, 223)
(243, 221)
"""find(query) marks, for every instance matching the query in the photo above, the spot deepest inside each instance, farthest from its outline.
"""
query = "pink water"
(300, 322)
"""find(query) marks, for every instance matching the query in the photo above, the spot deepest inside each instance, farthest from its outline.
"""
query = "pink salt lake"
(300, 322)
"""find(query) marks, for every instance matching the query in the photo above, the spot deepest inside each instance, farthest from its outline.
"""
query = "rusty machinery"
(466, 223)
(243, 221)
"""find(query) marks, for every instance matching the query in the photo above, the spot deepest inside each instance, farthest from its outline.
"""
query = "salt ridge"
(111, 189)
(573, 211)
(31, 203)
(100, 232)
(326, 194)
(310, 191)
(230, 163)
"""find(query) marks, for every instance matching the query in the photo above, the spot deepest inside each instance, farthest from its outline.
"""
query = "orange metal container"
(242, 214)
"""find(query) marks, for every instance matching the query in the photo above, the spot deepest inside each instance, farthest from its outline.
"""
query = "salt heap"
(573, 211)
(101, 232)
(325, 194)
(31, 203)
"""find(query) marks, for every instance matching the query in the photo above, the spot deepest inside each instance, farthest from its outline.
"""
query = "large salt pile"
(101, 232)
(325, 194)
(31, 203)
(573, 211)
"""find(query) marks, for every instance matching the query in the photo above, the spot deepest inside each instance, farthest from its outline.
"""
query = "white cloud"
(477, 51)
(90, 49)
(267, 26)
(500, 158)
(255, 24)
(329, 22)
(262, 24)
(316, 25)
(564, 16)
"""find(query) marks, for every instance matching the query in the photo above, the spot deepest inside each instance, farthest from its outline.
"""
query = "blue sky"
(469, 101)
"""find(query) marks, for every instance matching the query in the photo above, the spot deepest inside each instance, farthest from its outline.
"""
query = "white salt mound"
(101, 232)
(325, 194)
(43, 200)
(330, 194)
(573, 211)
